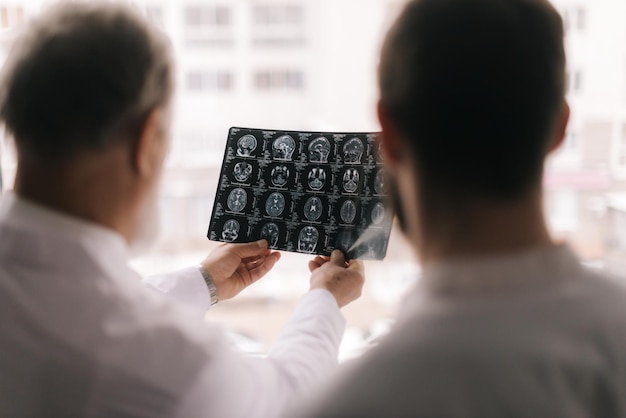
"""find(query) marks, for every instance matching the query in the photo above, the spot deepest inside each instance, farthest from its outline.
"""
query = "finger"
(250, 249)
(357, 266)
(313, 265)
(338, 258)
(252, 264)
(257, 257)
(318, 262)
(255, 261)
(252, 260)
(263, 268)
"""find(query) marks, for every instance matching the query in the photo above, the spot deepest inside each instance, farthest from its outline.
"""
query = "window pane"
(4, 17)
(198, 16)
(278, 14)
(193, 16)
(222, 16)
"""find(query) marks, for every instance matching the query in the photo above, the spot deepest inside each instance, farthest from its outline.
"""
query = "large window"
(311, 64)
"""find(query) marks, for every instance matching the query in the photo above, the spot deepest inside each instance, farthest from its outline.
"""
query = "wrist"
(210, 284)
(324, 289)
(325, 293)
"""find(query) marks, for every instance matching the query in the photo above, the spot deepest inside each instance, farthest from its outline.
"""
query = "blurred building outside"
(311, 65)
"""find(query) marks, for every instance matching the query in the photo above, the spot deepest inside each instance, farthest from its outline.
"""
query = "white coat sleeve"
(186, 287)
(306, 352)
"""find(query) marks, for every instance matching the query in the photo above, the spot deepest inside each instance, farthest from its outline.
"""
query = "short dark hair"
(82, 75)
(476, 86)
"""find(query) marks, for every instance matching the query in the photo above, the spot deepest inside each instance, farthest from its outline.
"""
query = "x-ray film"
(306, 192)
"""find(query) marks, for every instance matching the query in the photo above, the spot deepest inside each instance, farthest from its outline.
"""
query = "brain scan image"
(242, 172)
(319, 150)
(378, 213)
(317, 179)
(280, 175)
(381, 152)
(379, 182)
(351, 180)
(230, 232)
(237, 200)
(304, 191)
(372, 248)
(345, 240)
(348, 211)
(307, 239)
(353, 151)
(313, 208)
(246, 145)
(270, 232)
(283, 148)
(275, 205)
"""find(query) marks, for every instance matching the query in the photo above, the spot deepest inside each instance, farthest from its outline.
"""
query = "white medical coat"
(80, 336)
(526, 335)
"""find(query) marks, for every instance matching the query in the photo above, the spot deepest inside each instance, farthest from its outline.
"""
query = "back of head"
(82, 76)
(476, 87)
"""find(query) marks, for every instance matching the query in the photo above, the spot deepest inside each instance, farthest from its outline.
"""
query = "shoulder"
(404, 376)
(444, 354)
(601, 296)
(604, 283)
(101, 329)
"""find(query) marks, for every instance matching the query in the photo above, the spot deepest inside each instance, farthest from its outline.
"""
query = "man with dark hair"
(86, 95)
(504, 321)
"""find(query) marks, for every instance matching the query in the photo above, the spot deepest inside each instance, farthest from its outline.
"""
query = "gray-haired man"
(86, 95)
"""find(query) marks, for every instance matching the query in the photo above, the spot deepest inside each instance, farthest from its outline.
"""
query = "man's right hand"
(343, 280)
(233, 267)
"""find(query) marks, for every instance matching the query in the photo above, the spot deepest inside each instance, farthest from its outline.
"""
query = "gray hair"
(81, 76)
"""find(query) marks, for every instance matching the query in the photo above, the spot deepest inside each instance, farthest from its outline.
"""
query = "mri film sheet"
(306, 192)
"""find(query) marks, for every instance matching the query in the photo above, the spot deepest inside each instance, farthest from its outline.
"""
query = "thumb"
(249, 249)
(338, 258)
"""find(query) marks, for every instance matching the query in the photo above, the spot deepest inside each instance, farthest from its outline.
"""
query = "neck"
(86, 189)
(482, 229)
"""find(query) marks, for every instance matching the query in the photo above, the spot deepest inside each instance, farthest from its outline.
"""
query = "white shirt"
(81, 337)
(523, 335)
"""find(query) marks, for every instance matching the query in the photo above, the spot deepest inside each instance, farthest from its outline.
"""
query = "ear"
(561, 129)
(151, 145)
(390, 138)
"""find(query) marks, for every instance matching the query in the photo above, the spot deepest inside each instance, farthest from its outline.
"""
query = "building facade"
(311, 65)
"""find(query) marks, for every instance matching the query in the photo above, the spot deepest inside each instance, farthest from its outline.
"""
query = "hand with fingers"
(233, 267)
(343, 279)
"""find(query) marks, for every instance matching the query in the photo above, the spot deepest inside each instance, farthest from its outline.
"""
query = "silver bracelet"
(210, 284)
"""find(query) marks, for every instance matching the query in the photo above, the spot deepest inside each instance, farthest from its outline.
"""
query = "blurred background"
(311, 65)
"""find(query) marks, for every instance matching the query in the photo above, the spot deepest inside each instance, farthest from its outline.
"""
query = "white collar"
(501, 272)
(101, 241)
